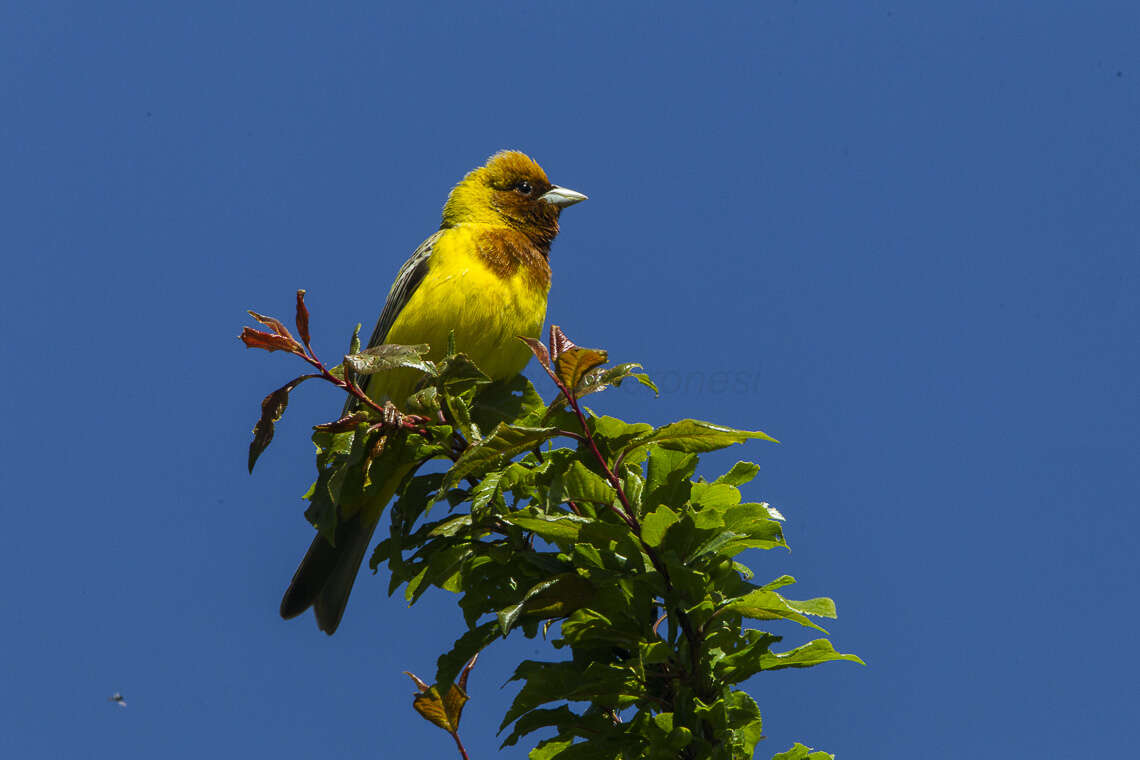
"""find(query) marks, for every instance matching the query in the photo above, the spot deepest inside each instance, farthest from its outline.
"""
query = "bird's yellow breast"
(486, 302)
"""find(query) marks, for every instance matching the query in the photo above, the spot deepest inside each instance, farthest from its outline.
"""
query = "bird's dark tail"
(325, 576)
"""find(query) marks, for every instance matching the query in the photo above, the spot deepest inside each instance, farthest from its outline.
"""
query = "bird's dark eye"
(524, 187)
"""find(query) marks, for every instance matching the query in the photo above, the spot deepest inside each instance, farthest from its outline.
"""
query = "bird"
(118, 699)
(483, 277)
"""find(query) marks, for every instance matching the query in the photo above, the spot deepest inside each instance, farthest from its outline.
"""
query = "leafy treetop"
(561, 522)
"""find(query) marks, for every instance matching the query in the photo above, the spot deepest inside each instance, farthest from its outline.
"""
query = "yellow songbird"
(484, 277)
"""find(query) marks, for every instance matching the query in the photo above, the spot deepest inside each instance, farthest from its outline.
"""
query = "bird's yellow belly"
(485, 310)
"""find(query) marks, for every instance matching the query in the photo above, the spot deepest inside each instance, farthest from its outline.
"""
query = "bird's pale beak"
(562, 197)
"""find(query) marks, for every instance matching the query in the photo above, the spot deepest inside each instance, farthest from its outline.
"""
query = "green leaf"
(609, 747)
(744, 723)
(538, 482)
(551, 598)
(667, 478)
(741, 473)
(690, 582)
(504, 443)
(460, 411)
(342, 487)
(763, 604)
(330, 445)
(354, 341)
(415, 498)
(714, 495)
(450, 527)
(613, 435)
(588, 626)
(665, 739)
(459, 375)
(587, 556)
(820, 606)
(692, 531)
(567, 594)
(468, 645)
(601, 378)
(615, 543)
(695, 437)
(714, 544)
(582, 484)
(753, 521)
(748, 659)
(800, 752)
(389, 356)
(347, 484)
(783, 580)
(321, 512)
(550, 748)
(541, 718)
(485, 490)
(633, 484)
(609, 686)
(751, 529)
(447, 563)
(505, 401)
(812, 653)
(656, 523)
(562, 529)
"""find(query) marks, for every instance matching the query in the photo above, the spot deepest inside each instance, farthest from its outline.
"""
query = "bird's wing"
(409, 277)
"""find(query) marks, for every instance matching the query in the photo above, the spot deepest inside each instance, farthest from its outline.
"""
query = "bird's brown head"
(510, 190)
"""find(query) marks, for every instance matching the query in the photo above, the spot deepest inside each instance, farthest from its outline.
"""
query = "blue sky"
(909, 231)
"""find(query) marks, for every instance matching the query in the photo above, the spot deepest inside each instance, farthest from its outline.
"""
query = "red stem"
(352, 388)
(458, 743)
(629, 517)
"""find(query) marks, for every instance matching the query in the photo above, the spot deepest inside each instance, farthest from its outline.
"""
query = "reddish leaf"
(270, 342)
(272, 407)
(375, 449)
(453, 703)
(302, 317)
(559, 342)
(429, 704)
(419, 682)
(539, 352)
(444, 711)
(273, 323)
(574, 362)
(466, 671)
(344, 424)
(271, 410)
